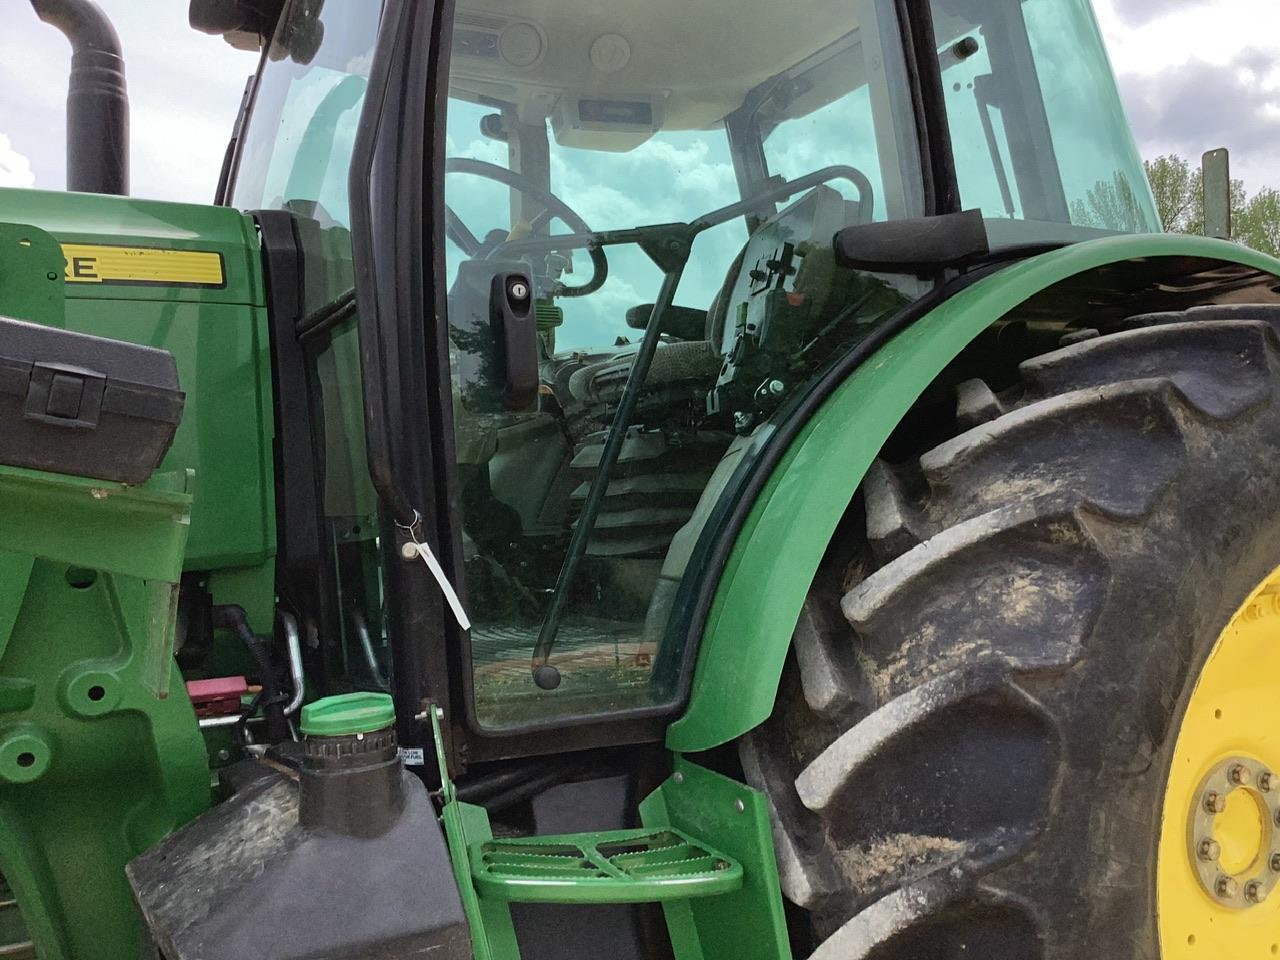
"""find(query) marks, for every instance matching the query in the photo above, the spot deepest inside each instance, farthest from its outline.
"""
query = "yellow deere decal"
(98, 263)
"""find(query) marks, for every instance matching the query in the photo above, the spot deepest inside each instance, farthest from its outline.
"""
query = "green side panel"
(30, 274)
(758, 600)
(129, 221)
(135, 531)
(227, 423)
(747, 923)
(100, 752)
(217, 335)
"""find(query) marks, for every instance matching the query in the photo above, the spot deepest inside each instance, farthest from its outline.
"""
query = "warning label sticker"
(143, 266)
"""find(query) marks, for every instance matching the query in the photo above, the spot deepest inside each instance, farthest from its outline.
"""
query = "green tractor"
(682, 479)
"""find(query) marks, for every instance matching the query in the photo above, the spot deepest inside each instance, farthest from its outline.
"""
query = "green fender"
(777, 552)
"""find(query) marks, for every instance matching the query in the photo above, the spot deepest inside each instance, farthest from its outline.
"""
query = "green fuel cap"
(348, 714)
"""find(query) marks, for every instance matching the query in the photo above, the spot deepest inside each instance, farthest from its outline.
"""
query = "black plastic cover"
(920, 243)
(249, 879)
(84, 405)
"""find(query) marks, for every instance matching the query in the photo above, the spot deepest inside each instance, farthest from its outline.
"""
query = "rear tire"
(971, 742)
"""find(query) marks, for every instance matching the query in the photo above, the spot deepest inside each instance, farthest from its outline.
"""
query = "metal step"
(617, 866)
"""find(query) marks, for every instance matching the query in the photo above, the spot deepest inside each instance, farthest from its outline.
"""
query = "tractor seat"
(694, 362)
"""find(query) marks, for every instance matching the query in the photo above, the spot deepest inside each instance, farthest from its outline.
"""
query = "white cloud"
(15, 168)
(1196, 75)
(184, 90)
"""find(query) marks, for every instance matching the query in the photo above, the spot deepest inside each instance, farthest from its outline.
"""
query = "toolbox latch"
(64, 396)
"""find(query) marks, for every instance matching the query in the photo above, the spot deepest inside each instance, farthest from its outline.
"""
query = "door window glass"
(583, 141)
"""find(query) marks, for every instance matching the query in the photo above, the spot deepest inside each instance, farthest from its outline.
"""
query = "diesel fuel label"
(149, 266)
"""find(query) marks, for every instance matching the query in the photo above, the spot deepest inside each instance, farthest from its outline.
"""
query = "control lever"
(515, 337)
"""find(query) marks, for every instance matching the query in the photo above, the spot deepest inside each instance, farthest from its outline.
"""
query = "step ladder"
(620, 866)
(705, 854)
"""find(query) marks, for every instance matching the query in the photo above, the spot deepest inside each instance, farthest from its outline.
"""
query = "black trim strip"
(389, 184)
(937, 163)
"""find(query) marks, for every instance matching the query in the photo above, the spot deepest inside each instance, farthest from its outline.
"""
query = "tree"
(1179, 193)
(1258, 225)
(1176, 188)
(1110, 205)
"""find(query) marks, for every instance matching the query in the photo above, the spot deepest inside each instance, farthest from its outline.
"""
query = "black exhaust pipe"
(97, 101)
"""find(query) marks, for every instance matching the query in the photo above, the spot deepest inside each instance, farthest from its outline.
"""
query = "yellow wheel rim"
(1218, 876)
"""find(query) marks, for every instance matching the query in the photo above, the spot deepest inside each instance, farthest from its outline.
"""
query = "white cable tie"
(437, 571)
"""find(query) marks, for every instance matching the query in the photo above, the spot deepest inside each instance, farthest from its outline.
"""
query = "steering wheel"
(458, 232)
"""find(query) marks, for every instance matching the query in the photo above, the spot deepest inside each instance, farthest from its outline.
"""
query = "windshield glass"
(296, 156)
(581, 137)
(1037, 128)
(301, 132)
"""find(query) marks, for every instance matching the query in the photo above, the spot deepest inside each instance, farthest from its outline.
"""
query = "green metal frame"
(493, 936)
(100, 753)
(721, 903)
(758, 599)
(748, 923)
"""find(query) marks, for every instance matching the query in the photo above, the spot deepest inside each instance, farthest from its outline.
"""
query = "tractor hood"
(123, 248)
(183, 278)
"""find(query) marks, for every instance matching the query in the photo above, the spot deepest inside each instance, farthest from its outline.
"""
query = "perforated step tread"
(618, 866)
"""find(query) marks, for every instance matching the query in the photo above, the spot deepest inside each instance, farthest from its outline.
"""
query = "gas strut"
(668, 245)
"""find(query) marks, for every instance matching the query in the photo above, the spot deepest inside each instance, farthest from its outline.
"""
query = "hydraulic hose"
(230, 616)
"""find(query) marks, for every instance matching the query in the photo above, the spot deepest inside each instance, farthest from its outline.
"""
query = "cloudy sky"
(1195, 74)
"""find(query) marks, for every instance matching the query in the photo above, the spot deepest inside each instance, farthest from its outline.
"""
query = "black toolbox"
(89, 406)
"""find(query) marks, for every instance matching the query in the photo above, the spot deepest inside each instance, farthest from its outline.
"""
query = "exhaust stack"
(97, 101)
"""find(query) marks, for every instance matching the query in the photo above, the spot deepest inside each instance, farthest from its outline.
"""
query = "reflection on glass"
(582, 140)
(1037, 127)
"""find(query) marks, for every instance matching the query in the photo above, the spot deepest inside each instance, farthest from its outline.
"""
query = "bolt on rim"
(1242, 876)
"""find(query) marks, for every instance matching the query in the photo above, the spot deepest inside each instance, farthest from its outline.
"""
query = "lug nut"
(1267, 781)
(1227, 888)
(1240, 775)
(1215, 802)
(1254, 893)
(1275, 863)
(1210, 850)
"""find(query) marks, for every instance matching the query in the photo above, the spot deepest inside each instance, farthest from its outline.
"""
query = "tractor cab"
(754, 459)
(631, 233)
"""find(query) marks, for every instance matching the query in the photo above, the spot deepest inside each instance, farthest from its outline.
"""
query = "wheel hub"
(1219, 857)
(1233, 833)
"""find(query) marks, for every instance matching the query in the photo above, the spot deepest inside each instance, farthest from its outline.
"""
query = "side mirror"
(921, 244)
(1215, 180)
